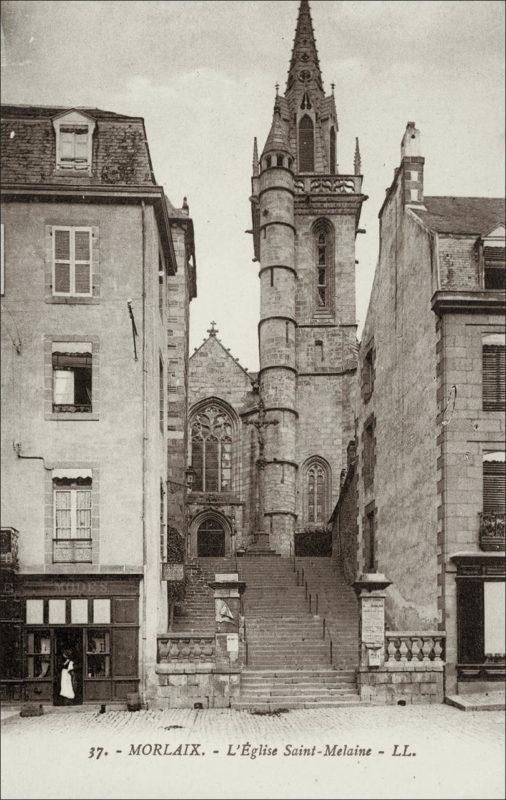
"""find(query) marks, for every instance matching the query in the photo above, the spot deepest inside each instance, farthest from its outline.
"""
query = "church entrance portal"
(211, 539)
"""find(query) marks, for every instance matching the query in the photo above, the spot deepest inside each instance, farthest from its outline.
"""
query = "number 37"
(95, 752)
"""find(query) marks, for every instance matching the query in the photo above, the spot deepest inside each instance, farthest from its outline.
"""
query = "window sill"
(72, 171)
(70, 300)
(69, 416)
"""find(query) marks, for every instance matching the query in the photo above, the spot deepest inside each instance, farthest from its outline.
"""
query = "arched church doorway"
(210, 539)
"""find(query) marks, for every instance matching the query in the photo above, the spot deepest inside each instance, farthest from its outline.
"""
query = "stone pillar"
(371, 593)
(229, 621)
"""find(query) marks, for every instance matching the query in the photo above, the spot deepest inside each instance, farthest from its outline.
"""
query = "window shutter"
(494, 377)
(82, 251)
(61, 260)
(494, 487)
(495, 267)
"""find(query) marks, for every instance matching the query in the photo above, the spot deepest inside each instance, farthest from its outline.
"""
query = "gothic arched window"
(211, 448)
(332, 151)
(317, 491)
(306, 144)
(322, 267)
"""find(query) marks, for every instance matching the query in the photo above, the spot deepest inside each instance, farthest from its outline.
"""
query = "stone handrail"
(412, 649)
(184, 647)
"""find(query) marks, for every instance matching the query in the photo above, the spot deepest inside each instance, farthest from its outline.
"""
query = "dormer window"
(74, 134)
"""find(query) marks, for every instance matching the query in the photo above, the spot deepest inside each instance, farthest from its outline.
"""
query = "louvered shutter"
(306, 144)
(61, 260)
(495, 267)
(494, 487)
(494, 377)
(82, 263)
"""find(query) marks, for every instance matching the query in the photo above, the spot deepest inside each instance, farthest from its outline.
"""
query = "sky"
(202, 74)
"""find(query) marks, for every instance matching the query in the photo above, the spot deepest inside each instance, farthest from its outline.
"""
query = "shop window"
(34, 612)
(102, 611)
(38, 654)
(98, 653)
(494, 372)
(79, 612)
(72, 377)
(57, 612)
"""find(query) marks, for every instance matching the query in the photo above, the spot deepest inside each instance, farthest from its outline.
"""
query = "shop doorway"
(68, 644)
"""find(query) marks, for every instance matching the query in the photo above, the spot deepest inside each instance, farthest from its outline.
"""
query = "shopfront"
(91, 625)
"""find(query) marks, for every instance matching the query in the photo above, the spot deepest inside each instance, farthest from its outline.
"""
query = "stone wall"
(402, 688)
(403, 405)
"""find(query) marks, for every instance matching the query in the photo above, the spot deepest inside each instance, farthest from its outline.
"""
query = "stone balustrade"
(183, 647)
(328, 184)
(492, 531)
(408, 650)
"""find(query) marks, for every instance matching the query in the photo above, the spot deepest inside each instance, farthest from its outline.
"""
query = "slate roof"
(28, 154)
(471, 215)
(19, 111)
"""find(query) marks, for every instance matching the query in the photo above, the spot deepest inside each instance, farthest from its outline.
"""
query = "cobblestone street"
(458, 755)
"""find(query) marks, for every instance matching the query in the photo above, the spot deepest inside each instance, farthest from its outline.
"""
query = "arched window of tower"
(306, 144)
(323, 233)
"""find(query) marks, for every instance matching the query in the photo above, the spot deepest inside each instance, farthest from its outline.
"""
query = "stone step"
(290, 704)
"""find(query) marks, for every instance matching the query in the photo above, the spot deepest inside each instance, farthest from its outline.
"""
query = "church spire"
(304, 68)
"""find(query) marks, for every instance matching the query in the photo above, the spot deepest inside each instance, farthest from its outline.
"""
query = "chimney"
(411, 167)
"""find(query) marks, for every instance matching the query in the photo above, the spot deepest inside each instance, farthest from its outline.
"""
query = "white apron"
(66, 688)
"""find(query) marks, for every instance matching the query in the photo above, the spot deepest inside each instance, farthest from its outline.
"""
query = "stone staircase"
(290, 663)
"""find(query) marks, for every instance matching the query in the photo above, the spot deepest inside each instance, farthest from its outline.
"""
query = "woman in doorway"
(67, 678)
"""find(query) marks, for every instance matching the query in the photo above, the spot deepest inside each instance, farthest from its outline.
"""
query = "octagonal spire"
(304, 73)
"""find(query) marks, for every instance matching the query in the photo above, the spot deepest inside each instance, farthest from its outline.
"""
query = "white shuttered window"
(72, 261)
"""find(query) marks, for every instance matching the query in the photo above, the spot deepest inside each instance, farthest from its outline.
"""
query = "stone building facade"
(91, 254)
(430, 430)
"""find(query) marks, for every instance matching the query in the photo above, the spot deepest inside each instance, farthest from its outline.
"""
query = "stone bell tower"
(305, 220)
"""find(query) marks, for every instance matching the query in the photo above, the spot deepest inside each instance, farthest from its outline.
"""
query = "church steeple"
(304, 72)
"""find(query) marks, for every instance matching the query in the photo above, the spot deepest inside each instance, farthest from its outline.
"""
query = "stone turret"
(277, 330)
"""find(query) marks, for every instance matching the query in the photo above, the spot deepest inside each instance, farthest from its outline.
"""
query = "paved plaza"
(371, 752)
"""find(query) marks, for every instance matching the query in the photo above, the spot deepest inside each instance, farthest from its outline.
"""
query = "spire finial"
(357, 161)
(255, 157)
(333, 86)
(213, 330)
(277, 89)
